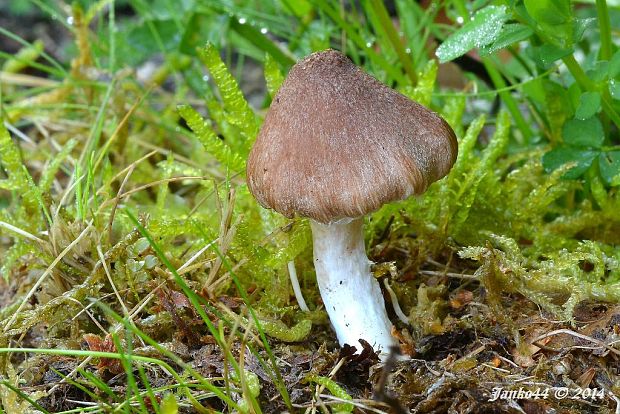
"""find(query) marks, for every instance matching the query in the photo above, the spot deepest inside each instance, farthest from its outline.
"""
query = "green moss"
(335, 389)
(523, 226)
(25, 202)
(427, 316)
(278, 330)
(238, 110)
(273, 76)
(209, 140)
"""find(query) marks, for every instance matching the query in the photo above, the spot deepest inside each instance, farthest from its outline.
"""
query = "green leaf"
(299, 8)
(589, 105)
(583, 133)
(552, 12)
(614, 88)
(162, 9)
(546, 55)
(614, 65)
(145, 38)
(599, 71)
(574, 94)
(609, 166)
(554, 18)
(582, 160)
(169, 404)
(557, 107)
(483, 29)
(580, 26)
(21, 7)
(511, 33)
(535, 90)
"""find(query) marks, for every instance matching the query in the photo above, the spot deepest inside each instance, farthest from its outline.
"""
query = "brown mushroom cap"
(338, 143)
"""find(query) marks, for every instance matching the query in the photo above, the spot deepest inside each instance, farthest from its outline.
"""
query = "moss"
(335, 389)
(427, 316)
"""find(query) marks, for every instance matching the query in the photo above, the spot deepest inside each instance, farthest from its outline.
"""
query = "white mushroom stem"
(351, 295)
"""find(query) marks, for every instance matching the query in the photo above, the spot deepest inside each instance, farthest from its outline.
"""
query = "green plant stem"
(96, 354)
(604, 24)
(384, 18)
(578, 73)
(586, 84)
(112, 37)
(510, 102)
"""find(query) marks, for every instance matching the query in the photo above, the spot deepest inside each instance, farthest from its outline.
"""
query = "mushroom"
(336, 145)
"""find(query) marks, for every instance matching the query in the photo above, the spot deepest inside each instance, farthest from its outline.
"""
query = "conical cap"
(337, 143)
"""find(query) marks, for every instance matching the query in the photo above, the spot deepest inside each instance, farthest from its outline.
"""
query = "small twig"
(524, 378)
(148, 185)
(90, 315)
(107, 272)
(450, 274)
(397, 309)
(436, 263)
(431, 370)
(196, 256)
(319, 388)
(127, 168)
(20, 231)
(292, 272)
(19, 133)
(26, 80)
(577, 335)
(505, 371)
(165, 151)
(506, 360)
(356, 403)
(70, 375)
(117, 200)
(90, 305)
(84, 403)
